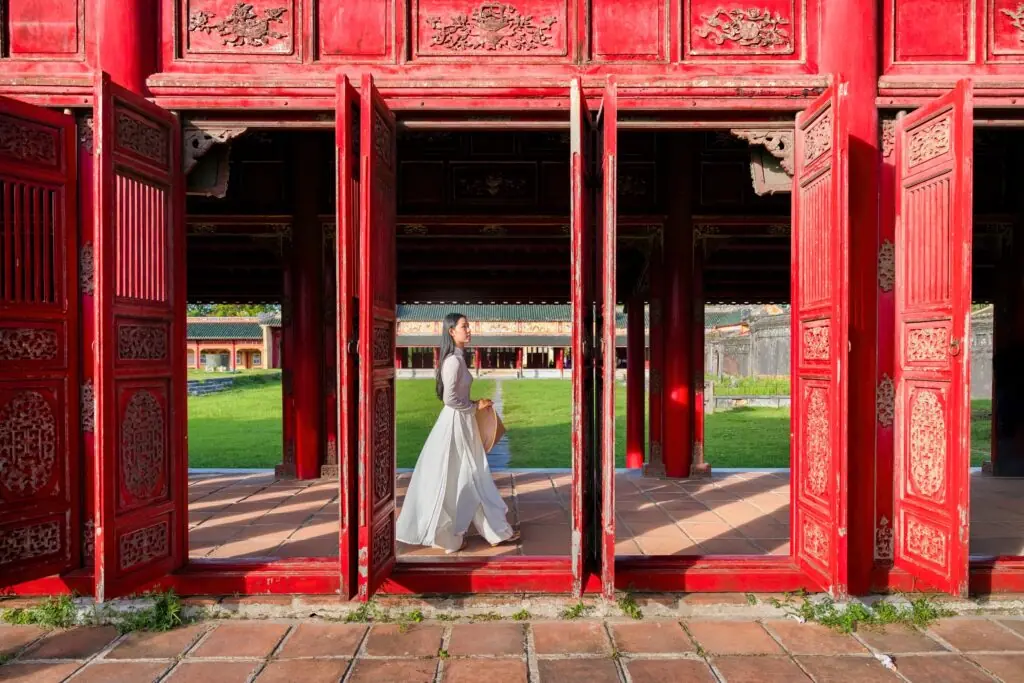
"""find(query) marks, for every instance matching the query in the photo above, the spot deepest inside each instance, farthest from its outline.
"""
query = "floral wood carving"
(31, 343)
(381, 138)
(143, 448)
(1016, 20)
(885, 401)
(926, 542)
(88, 398)
(746, 28)
(199, 141)
(383, 445)
(28, 445)
(929, 141)
(816, 343)
(243, 27)
(86, 132)
(492, 26)
(888, 136)
(414, 230)
(27, 143)
(779, 144)
(927, 443)
(886, 266)
(883, 539)
(29, 542)
(89, 541)
(927, 344)
(815, 541)
(818, 137)
(143, 138)
(144, 545)
(816, 440)
(86, 269)
(382, 349)
(383, 545)
(141, 342)
(490, 186)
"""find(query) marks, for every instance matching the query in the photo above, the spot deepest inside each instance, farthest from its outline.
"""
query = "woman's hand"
(484, 403)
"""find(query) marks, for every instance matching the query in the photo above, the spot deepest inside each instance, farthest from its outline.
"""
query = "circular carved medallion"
(927, 443)
(816, 440)
(28, 444)
(142, 447)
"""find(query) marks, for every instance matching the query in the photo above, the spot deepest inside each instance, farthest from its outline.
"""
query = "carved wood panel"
(636, 34)
(514, 29)
(45, 30)
(354, 31)
(234, 30)
(770, 30)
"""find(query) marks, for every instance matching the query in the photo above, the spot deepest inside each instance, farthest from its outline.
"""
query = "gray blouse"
(457, 382)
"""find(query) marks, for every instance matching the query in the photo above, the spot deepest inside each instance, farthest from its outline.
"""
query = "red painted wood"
(346, 136)
(820, 284)
(656, 343)
(697, 349)
(582, 234)
(40, 471)
(123, 33)
(87, 341)
(608, 300)
(711, 574)
(142, 467)
(635, 381)
(934, 147)
(377, 330)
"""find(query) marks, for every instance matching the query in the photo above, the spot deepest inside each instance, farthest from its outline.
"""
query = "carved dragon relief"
(779, 143)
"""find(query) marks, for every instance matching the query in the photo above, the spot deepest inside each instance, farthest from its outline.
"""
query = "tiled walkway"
(965, 650)
(247, 516)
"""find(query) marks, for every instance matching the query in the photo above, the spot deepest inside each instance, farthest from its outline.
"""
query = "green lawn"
(242, 427)
(193, 374)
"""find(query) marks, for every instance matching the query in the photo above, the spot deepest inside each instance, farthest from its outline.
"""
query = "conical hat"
(490, 427)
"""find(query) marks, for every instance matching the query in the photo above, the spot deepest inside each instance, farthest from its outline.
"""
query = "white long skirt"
(452, 487)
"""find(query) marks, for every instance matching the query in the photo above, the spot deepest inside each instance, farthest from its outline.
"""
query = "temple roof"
(224, 329)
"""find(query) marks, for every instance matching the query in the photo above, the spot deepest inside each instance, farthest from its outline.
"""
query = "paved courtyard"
(960, 650)
(256, 515)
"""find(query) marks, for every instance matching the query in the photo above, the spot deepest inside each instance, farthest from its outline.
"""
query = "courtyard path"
(499, 456)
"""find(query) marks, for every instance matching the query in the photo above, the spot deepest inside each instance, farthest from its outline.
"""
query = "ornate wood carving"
(199, 141)
(414, 230)
(86, 269)
(243, 27)
(927, 443)
(883, 539)
(816, 343)
(885, 401)
(381, 138)
(24, 142)
(927, 344)
(492, 27)
(31, 344)
(141, 342)
(143, 449)
(925, 541)
(88, 401)
(815, 541)
(818, 138)
(86, 125)
(29, 542)
(382, 346)
(143, 138)
(886, 266)
(1016, 18)
(816, 440)
(89, 541)
(28, 445)
(779, 143)
(930, 141)
(383, 545)
(888, 134)
(144, 545)
(752, 29)
(383, 445)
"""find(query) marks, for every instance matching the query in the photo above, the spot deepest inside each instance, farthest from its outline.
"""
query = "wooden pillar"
(678, 377)
(857, 61)
(1008, 363)
(307, 273)
(233, 361)
(655, 464)
(287, 359)
(700, 467)
(126, 44)
(437, 357)
(635, 383)
(399, 357)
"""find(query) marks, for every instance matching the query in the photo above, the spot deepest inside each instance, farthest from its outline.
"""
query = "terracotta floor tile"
(650, 637)
(485, 671)
(256, 639)
(670, 671)
(168, 645)
(732, 637)
(942, 667)
(559, 637)
(122, 672)
(1006, 667)
(759, 670)
(848, 669)
(970, 634)
(896, 640)
(578, 671)
(37, 673)
(727, 546)
(322, 640)
(397, 670)
(497, 639)
(14, 638)
(813, 639)
(389, 640)
(304, 670)
(76, 643)
(212, 672)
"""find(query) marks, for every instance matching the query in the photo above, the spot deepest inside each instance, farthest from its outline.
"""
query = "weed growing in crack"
(54, 612)
(577, 611)
(920, 612)
(522, 615)
(164, 614)
(627, 603)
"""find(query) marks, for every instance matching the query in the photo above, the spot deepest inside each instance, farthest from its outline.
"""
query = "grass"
(750, 386)
(417, 408)
(203, 374)
(919, 612)
(237, 428)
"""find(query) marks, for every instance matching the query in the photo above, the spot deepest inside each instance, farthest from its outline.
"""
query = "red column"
(560, 361)
(399, 354)
(678, 378)
(700, 467)
(635, 383)
(519, 358)
(655, 463)
(126, 40)
(437, 357)
(233, 361)
(307, 314)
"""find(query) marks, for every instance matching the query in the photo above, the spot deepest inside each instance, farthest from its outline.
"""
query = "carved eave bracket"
(779, 143)
(199, 140)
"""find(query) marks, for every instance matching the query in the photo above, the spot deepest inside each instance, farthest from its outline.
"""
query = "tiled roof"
(420, 341)
(222, 330)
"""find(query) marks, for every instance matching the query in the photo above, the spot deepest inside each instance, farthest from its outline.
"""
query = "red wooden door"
(820, 285)
(377, 329)
(39, 395)
(934, 151)
(609, 216)
(142, 479)
(347, 141)
(583, 237)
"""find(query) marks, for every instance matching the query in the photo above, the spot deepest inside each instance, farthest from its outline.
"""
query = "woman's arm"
(450, 378)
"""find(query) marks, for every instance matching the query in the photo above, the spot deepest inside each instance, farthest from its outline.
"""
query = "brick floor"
(585, 651)
(744, 513)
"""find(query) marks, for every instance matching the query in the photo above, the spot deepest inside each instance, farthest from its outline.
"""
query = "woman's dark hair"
(451, 321)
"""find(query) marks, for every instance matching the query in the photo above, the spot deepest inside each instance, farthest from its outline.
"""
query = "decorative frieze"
(886, 266)
(885, 401)
(779, 144)
(491, 27)
(28, 445)
(88, 407)
(145, 545)
(243, 27)
(818, 137)
(198, 141)
(929, 141)
(26, 142)
(883, 539)
(24, 543)
(750, 29)
(142, 138)
(28, 344)
(86, 269)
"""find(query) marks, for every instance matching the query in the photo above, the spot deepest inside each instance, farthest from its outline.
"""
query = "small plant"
(751, 599)
(627, 603)
(407, 619)
(164, 614)
(919, 613)
(54, 612)
(445, 616)
(486, 616)
(442, 654)
(701, 652)
(522, 615)
(577, 611)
